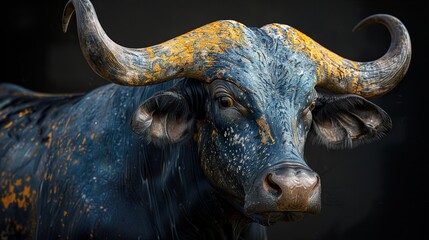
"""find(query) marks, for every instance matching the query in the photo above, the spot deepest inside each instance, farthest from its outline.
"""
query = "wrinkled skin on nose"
(288, 187)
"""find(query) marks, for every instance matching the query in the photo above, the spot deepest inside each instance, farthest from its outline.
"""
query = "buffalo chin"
(270, 218)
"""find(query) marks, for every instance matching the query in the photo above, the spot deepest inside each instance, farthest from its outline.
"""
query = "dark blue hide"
(90, 176)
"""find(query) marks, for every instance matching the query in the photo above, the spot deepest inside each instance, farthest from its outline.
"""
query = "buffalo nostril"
(271, 186)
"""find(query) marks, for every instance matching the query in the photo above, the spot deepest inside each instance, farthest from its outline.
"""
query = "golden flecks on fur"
(264, 131)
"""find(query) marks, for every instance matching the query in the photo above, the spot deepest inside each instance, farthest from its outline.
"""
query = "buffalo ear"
(345, 121)
(165, 118)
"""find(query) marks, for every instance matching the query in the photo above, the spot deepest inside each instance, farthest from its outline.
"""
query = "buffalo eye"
(225, 101)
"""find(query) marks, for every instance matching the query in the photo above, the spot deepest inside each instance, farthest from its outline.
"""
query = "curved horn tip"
(67, 14)
(381, 75)
(376, 18)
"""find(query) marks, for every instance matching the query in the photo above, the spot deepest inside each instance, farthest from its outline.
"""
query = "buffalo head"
(250, 97)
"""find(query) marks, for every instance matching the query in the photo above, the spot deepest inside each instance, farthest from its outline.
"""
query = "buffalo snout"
(285, 188)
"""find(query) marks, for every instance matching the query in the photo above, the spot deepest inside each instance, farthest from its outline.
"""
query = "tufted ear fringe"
(346, 121)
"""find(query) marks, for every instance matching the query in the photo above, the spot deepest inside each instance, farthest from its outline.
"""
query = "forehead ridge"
(267, 67)
(275, 69)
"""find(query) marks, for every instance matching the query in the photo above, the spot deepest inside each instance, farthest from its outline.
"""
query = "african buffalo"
(199, 137)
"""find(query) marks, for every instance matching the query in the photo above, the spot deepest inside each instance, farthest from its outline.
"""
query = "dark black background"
(376, 191)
